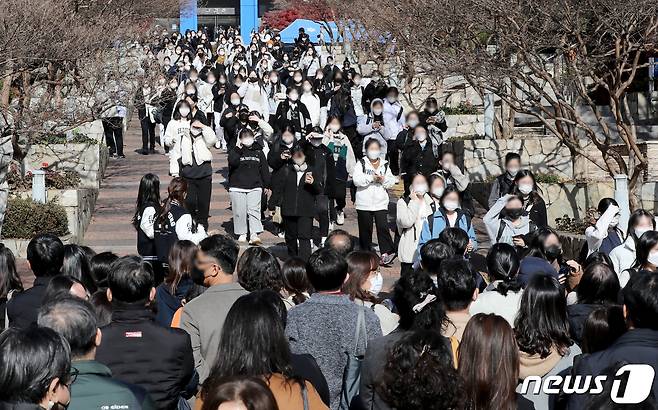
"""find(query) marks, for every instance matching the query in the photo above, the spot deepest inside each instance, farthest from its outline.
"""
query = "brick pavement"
(110, 229)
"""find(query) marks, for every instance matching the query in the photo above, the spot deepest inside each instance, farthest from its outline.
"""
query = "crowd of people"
(194, 322)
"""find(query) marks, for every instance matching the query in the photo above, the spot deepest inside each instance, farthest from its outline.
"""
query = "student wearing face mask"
(606, 234)
(526, 188)
(312, 102)
(454, 176)
(393, 124)
(363, 285)
(412, 211)
(168, 102)
(190, 157)
(418, 157)
(218, 90)
(545, 244)
(646, 257)
(356, 91)
(294, 113)
(507, 222)
(624, 256)
(448, 215)
(330, 69)
(276, 93)
(296, 80)
(339, 145)
(249, 176)
(434, 120)
(372, 127)
(376, 88)
(278, 158)
(255, 97)
(145, 103)
(372, 178)
(324, 169)
(299, 190)
(189, 86)
(504, 184)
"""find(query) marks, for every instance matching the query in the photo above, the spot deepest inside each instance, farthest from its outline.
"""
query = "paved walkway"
(110, 229)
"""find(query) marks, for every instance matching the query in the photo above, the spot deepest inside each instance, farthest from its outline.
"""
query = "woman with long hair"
(605, 235)
(646, 255)
(599, 286)
(178, 287)
(489, 365)
(76, 265)
(10, 282)
(534, 205)
(503, 294)
(295, 282)
(364, 283)
(240, 393)
(253, 344)
(624, 256)
(174, 223)
(542, 333)
(147, 209)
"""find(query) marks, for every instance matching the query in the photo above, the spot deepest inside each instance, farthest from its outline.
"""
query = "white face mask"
(653, 258)
(512, 172)
(641, 231)
(451, 205)
(288, 139)
(211, 80)
(420, 188)
(190, 91)
(421, 137)
(446, 166)
(412, 123)
(235, 101)
(526, 188)
(316, 142)
(274, 80)
(377, 111)
(184, 111)
(247, 142)
(376, 284)
(437, 192)
(299, 161)
(307, 88)
(293, 97)
(373, 155)
(614, 222)
(391, 100)
(334, 127)
(193, 78)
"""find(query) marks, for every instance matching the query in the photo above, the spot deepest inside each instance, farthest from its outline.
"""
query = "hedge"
(25, 219)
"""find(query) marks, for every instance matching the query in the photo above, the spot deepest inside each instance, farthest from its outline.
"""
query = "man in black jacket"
(639, 345)
(135, 348)
(45, 253)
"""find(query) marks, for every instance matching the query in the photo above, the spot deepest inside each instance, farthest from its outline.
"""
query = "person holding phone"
(278, 158)
(300, 188)
(372, 178)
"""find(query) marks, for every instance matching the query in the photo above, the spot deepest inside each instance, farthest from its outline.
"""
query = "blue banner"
(188, 15)
(248, 18)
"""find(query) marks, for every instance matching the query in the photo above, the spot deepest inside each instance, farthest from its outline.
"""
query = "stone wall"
(464, 125)
(484, 159)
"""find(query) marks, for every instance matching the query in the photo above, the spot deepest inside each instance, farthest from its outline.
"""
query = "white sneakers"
(242, 239)
(340, 218)
(255, 240)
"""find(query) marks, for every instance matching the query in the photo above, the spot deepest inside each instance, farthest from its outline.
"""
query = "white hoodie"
(177, 137)
(371, 195)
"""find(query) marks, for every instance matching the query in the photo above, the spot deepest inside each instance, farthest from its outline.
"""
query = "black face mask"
(253, 80)
(197, 276)
(513, 214)
(553, 252)
(243, 117)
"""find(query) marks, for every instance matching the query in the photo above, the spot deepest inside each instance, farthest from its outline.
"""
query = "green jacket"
(95, 389)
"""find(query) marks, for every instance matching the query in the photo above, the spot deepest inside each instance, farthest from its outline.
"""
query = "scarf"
(194, 144)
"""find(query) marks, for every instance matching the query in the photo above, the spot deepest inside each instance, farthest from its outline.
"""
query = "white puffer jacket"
(371, 195)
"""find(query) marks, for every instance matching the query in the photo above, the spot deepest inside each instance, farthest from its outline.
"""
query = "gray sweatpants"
(246, 210)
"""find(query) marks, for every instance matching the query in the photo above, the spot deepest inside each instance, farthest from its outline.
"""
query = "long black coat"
(299, 198)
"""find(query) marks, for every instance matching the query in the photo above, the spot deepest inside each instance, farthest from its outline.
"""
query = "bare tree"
(568, 63)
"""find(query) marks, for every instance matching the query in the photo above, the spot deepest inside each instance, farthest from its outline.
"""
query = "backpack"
(430, 219)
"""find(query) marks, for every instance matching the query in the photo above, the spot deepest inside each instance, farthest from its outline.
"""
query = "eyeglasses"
(73, 376)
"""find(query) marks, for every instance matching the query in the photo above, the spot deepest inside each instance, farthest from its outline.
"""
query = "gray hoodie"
(493, 221)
